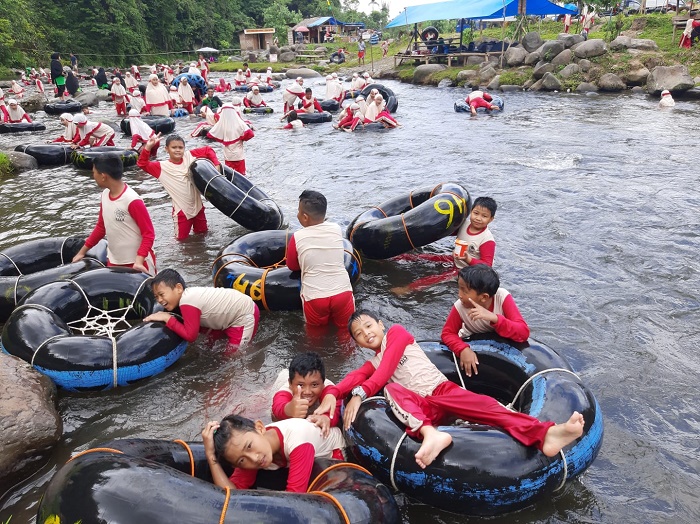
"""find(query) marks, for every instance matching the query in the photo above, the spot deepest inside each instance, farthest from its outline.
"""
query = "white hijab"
(240, 76)
(255, 97)
(85, 129)
(185, 92)
(157, 94)
(69, 133)
(230, 127)
(208, 115)
(130, 81)
(118, 89)
(333, 89)
(17, 112)
(360, 101)
(136, 101)
(16, 88)
(138, 126)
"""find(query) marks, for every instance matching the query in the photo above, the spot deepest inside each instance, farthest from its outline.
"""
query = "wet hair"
(313, 203)
(481, 278)
(487, 203)
(356, 316)
(308, 91)
(168, 277)
(110, 164)
(228, 427)
(292, 116)
(174, 138)
(306, 363)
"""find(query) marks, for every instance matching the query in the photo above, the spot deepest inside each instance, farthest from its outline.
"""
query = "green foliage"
(572, 82)
(6, 168)
(278, 15)
(515, 77)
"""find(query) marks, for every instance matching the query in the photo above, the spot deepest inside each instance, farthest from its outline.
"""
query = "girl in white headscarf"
(135, 72)
(186, 95)
(231, 131)
(130, 82)
(140, 133)
(360, 101)
(3, 108)
(209, 120)
(292, 93)
(167, 75)
(137, 102)
(334, 90)
(240, 78)
(118, 96)
(17, 90)
(253, 98)
(92, 133)
(376, 113)
(70, 131)
(158, 101)
(175, 97)
(352, 117)
(15, 112)
(268, 76)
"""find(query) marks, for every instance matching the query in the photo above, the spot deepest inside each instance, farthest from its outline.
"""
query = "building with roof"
(312, 30)
(256, 39)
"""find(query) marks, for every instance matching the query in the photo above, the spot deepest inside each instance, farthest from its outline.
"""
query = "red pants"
(237, 335)
(338, 308)
(183, 225)
(448, 399)
(238, 165)
(149, 262)
(121, 108)
(479, 102)
(189, 106)
(107, 140)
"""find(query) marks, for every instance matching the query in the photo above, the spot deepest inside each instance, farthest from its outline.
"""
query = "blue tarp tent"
(474, 9)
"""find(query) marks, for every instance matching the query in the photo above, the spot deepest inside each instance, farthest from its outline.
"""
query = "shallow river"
(597, 234)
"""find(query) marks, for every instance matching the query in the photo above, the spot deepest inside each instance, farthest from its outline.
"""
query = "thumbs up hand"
(297, 407)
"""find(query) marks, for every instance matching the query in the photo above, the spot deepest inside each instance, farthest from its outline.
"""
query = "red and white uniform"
(358, 83)
(168, 76)
(217, 309)
(203, 67)
(352, 117)
(17, 90)
(510, 323)
(209, 121)
(310, 105)
(334, 90)
(137, 102)
(294, 124)
(158, 101)
(254, 99)
(186, 96)
(240, 78)
(283, 396)
(291, 94)
(70, 131)
(92, 133)
(119, 97)
(686, 37)
(567, 23)
(375, 112)
(268, 76)
(300, 443)
(478, 98)
(248, 72)
(223, 86)
(481, 246)
(3, 108)
(135, 72)
(15, 113)
(419, 393)
(130, 83)
(39, 85)
(140, 132)
(231, 131)
(326, 293)
(125, 222)
(188, 211)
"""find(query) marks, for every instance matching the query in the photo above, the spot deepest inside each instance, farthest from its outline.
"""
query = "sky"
(395, 6)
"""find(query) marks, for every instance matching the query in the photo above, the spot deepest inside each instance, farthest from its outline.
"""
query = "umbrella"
(302, 29)
(207, 50)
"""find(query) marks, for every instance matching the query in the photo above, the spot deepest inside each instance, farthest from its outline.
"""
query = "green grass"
(6, 168)
(515, 77)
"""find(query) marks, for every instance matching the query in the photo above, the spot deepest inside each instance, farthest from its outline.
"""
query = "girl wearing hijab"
(203, 66)
(140, 133)
(268, 76)
(186, 95)
(158, 101)
(5, 116)
(334, 90)
(119, 96)
(92, 134)
(351, 118)
(209, 120)
(72, 83)
(137, 102)
(254, 98)
(168, 75)
(135, 72)
(290, 95)
(101, 79)
(376, 113)
(15, 113)
(130, 83)
(70, 131)
(240, 79)
(231, 131)
(223, 86)
(17, 90)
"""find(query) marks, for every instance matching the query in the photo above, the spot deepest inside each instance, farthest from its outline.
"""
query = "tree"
(279, 16)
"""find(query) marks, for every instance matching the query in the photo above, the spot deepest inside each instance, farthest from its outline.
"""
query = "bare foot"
(562, 435)
(400, 291)
(434, 442)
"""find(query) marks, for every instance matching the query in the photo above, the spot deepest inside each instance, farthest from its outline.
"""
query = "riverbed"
(597, 240)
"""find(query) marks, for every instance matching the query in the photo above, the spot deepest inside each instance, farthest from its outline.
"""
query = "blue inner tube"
(180, 112)
(264, 110)
(462, 107)
(197, 83)
(159, 124)
(410, 221)
(84, 158)
(27, 266)
(352, 93)
(250, 264)
(485, 471)
(100, 486)
(57, 154)
(68, 106)
(21, 127)
(331, 105)
(236, 196)
(392, 103)
(315, 118)
(38, 331)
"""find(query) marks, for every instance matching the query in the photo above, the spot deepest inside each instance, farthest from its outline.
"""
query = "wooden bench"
(426, 58)
(307, 58)
(678, 21)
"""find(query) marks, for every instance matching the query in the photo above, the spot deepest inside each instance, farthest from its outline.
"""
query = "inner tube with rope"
(315, 118)
(116, 481)
(255, 264)
(264, 110)
(84, 158)
(67, 106)
(337, 58)
(57, 154)
(79, 331)
(21, 127)
(352, 93)
(197, 83)
(461, 106)
(485, 471)
(392, 103)
(27, 266)
(409, 221)
(430, 35)
(159, 124)
(236, 196)
(330, 105)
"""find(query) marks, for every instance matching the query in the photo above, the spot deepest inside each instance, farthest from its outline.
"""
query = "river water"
(597, 235)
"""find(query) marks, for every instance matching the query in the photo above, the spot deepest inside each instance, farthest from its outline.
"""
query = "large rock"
(585, 65)
(532, 41)
(637, 77)
(611, 82)
(30, 426)
(274, 50)
(474, 61)
(445, 82)
(562, 58)
(494, 84)
(86, 98)
(533, 58)
(674, 78)
(515, 56)
(510, 88)
(590, 48)
(550, 49)
(288, 56)
(620, 43)
(32, 103)
(421, 75)
(643, 44)
(537, 86)
(20, 162)
(541, 69)
(487, 74)
(551, 82)
(569, 39)
(285, 49)
(569, 70)
(103, 95)
(303, 72)
(468, 77)
(586, 87)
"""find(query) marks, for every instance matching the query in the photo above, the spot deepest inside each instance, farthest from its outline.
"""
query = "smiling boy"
(475, 243)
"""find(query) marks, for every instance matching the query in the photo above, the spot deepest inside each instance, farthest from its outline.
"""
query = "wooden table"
(307, 58)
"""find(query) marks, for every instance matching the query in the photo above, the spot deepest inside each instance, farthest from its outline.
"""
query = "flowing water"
(597, 235)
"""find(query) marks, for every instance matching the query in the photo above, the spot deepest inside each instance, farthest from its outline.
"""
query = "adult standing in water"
(57, 74)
